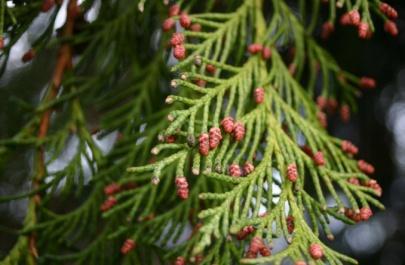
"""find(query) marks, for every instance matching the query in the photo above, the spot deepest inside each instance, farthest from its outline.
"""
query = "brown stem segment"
(63, 63)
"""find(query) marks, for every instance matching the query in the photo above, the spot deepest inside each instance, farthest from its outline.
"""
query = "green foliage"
(117, 85)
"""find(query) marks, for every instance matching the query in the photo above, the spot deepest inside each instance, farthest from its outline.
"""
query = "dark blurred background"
(378, 129)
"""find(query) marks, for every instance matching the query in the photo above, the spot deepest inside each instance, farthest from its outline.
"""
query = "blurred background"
(378, 129)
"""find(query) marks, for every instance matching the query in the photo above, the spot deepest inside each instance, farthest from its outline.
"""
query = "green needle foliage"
(186, 189)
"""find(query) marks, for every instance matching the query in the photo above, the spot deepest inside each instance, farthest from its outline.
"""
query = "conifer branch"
(244, 158)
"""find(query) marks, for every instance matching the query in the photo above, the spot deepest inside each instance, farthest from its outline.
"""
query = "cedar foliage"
(169, 173)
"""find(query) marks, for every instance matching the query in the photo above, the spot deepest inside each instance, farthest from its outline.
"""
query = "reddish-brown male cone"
(292, 173)
(367, 82)
(349, 148)
(185, 20)
(228, 124)
(180, 261)
(244, 232)
(259, 95)
(210, 68)
(365, 167)
(391, 28)
(112, 188)
(174, 10)
(108, 204)
(255, 245)
(177, 39)
(235, 170)
(128, 245)
(248, 168)
(290, 224)
(266, 53)
(182, 187)
(363, 30)
(316, 251)
(255, 48)
(239, 131)
(168, 24)
(204, 147)
(345, 113)
(196, 27)
(179, 52)
(215, 137)
(354, 16)
(319, 159)
(327, 29)
(388, 10)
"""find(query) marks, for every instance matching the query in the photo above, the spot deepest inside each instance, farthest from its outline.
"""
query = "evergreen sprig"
(243, 159)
